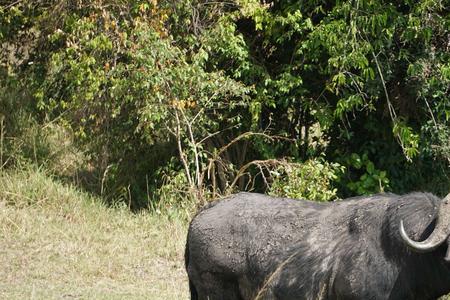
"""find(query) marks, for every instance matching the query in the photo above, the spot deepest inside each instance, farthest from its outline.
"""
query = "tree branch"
(180, 150)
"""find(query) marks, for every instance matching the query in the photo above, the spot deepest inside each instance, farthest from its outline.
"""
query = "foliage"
(168, 195)
(371, 181)
(121, 84)
(234, 89)
(355, 64)
(310, 180)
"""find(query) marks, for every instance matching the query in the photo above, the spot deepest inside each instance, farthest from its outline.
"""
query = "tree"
(360, 87)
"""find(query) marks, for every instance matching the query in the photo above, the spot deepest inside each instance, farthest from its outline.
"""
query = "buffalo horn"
(439, 234)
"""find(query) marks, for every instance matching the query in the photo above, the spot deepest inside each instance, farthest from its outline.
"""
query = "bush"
(312, 180)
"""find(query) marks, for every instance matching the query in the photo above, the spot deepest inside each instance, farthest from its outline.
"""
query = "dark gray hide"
(251, 246)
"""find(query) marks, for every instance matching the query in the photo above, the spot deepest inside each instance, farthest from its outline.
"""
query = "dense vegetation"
(165, 103)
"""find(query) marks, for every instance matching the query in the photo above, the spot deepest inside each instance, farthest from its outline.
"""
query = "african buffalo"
(252, 246)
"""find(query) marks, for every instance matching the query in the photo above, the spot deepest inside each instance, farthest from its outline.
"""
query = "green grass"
(59, 243)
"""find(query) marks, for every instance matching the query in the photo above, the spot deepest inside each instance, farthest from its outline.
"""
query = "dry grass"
(59, 243)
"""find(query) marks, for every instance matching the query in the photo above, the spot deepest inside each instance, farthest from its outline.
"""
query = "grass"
(59, 243)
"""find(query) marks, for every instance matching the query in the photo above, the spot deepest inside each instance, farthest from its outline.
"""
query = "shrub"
(312, 180)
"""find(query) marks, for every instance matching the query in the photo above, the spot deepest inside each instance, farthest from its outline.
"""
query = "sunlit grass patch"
(57, 242)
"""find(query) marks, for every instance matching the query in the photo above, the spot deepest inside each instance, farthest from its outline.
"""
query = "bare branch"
(12, 4)
(431, 113)
(180, 150)
(194, 148)
(215, 133)
(262, 175)
(259, 163)
(248, 134)
(197, 115)
(391, 109)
